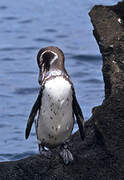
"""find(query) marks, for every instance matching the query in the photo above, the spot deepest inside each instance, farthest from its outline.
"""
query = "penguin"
(56, 105)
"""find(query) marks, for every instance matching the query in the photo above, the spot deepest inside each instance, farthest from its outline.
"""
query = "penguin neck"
(55, 72)
(57, 68)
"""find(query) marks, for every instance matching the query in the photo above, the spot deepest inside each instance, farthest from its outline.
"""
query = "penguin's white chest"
(55, 121)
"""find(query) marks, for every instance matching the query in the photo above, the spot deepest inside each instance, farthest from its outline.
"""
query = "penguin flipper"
(79, 116)
(32, 115)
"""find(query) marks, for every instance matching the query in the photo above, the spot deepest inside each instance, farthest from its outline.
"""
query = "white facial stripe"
(55, 55)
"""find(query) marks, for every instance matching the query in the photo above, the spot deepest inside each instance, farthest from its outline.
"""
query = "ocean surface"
(25, 27)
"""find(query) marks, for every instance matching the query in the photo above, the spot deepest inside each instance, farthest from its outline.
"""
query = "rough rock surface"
(101, 155)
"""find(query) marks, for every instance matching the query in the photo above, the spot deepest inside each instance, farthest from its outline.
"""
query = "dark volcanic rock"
(108, 25)
(101, 155)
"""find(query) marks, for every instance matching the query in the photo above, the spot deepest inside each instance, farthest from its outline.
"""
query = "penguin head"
(49, 59)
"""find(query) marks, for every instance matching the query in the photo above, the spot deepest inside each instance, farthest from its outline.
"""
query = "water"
(25, 27)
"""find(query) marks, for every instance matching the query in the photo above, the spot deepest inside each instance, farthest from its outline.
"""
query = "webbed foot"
(66, 155)
(44, 152)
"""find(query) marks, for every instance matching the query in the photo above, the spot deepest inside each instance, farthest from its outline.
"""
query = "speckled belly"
(55, 121)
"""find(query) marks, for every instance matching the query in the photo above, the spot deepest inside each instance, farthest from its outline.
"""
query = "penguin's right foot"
(45, 152)
(66, 155)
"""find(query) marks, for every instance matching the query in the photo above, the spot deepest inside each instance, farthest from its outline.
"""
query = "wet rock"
(101, 155)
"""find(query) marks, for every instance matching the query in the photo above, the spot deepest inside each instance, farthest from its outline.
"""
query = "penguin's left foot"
(44, 152)
(66, 155)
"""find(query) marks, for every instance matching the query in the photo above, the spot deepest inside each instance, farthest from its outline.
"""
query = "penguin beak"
(42, 72)
(40, 77)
